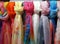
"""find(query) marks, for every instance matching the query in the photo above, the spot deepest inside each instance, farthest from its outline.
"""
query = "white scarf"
(36, 20)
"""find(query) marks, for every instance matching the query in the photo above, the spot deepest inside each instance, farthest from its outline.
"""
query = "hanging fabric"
(57, 37)
(44, 24)
(1, 12)
(53, 18)
(5, 31)
(17, 33)
(29, 36)
(11, 13)
(36, 20)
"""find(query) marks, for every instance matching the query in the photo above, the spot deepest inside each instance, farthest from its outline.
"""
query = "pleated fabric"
(11, 13)
(57, 37)
(29, 34)
(44, 24)
(36, 20)
(17, 32)
(53, 18)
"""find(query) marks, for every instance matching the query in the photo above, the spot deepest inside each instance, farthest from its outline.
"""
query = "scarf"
(57, 35)
(36, 20)
(11, 14)
(44, 30)
(53, 18)
(17, 33)
(1, 12)
(5, 30)
(29, 36)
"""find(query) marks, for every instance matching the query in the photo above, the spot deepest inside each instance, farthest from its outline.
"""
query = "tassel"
(57, 37)
(44, 24)
(36, 20)
(29, 36)
(17, 33)
(53, 18)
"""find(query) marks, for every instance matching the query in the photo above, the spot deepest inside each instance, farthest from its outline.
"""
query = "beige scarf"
(17, 33)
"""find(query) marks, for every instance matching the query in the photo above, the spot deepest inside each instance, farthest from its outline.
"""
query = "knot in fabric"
(29, 7)
(10, 9)
(18, 7)
(53, 9)
(37, 7)
(53, 5)
(45, 7)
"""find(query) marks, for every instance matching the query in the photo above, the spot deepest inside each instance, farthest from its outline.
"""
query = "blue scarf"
(53, 17)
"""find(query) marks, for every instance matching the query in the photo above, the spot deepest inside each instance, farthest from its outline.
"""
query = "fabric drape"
(53, 18)
(17, 33)
(36, 20)
(29, 34)
(44, 24)
(11, 13)
(57, 35)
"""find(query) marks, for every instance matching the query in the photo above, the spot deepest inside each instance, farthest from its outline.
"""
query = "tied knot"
(1, 7)
(53, 5)
(18, 7)
(53, 9)
(37, 7)
(45, 7)
(10, 9)
(29, 7)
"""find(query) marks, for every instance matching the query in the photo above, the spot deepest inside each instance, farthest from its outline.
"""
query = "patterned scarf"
(29, 36)
(17, 33)
(5, 30)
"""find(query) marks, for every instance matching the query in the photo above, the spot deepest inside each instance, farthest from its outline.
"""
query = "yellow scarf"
(17, 33)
